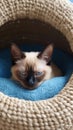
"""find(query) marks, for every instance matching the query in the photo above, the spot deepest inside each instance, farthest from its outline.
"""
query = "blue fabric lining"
(47, 89)
(71, 0)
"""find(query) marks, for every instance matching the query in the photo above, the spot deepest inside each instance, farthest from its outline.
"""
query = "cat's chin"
(30, 87)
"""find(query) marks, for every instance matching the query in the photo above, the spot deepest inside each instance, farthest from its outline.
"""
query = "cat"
(31, 69)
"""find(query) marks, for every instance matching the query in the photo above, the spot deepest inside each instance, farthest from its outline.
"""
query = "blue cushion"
(71, 0)
(47, 89)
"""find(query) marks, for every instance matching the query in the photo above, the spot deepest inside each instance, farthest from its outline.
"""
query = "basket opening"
(33, 34)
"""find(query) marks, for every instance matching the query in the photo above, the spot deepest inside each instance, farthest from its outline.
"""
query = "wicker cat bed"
(37, 21)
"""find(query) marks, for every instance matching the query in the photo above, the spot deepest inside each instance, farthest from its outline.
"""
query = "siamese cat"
(31, 69)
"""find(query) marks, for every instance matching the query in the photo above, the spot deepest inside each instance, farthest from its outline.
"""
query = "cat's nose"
(31, 81)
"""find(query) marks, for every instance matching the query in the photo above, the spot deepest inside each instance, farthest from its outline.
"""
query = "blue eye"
(22, 74)
(39, 73)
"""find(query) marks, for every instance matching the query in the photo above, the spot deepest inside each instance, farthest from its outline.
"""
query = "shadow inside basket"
(48, 88)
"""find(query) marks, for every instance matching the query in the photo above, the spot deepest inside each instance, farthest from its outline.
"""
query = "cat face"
(30, 68)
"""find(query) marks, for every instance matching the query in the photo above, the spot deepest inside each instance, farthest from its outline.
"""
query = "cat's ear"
(16, 53)
(46, 53)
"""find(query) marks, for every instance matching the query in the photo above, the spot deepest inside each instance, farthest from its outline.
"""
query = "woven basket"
(51, 114)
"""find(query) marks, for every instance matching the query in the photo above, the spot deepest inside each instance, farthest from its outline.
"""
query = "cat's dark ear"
(46, 53)
(16, 53)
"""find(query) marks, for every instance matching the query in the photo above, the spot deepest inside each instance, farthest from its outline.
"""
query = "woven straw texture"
(55, 113)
